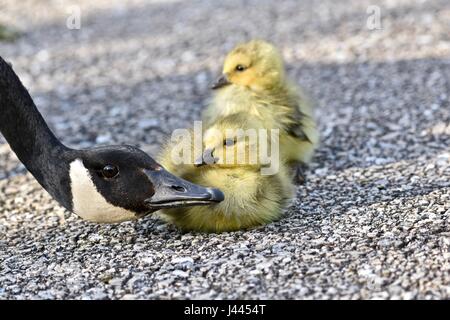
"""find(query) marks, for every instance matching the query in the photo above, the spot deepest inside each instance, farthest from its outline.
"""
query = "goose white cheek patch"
(88, 203)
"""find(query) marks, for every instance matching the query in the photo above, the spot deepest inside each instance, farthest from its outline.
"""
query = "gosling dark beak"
(172, 191)
(221, 82)
(206, 158)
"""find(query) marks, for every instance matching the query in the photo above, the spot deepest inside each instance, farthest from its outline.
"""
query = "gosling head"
(256, 65)
(119, 183)
(232, 142)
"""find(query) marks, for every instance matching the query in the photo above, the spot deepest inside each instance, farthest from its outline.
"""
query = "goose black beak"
(221, 82)
(172, 191)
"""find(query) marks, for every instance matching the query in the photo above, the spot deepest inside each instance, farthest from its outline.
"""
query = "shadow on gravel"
(379, 113)
(336, 195)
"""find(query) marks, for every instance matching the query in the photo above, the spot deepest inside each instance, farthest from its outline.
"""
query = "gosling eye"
(240, 68)
(110, 171)
(229, 142)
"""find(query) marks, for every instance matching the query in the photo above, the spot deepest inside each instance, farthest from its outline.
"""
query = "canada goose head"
(256, 65)
(118, 183)
(105, 184)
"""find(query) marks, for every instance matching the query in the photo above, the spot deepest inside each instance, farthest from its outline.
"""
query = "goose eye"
(110, 171)
(229, 142)
(240, 68)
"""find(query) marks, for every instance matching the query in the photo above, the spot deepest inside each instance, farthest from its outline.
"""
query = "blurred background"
(111, 72)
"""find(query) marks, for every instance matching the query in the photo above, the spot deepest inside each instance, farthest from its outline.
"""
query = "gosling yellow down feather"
(251, 199)
(254, 81)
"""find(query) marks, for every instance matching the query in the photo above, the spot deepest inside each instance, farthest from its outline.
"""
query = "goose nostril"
(178, 188)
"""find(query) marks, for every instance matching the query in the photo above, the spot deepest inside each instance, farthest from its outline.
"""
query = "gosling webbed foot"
(299, 174)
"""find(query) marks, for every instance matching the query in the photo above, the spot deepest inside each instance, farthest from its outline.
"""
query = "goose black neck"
(29, 136)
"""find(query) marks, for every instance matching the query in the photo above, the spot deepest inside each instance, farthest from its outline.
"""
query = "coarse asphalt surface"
(372, 220)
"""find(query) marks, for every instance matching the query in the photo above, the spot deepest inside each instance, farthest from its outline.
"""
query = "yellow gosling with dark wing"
(251, 198)
(254, 81)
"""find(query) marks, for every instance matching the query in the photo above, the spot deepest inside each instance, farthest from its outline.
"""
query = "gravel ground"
(373, 220)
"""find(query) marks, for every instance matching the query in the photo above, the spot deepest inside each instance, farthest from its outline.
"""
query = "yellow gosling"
(254, 81)
(251, 198)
